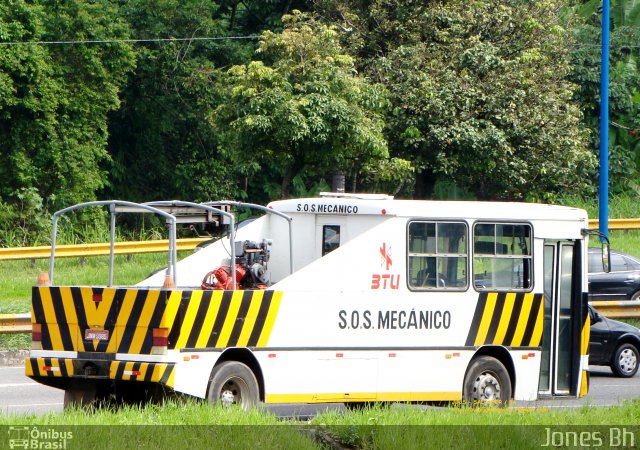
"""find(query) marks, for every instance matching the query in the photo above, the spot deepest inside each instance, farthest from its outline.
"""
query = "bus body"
(362, 298)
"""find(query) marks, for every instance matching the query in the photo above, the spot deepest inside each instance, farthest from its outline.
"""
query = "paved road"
(20, 395)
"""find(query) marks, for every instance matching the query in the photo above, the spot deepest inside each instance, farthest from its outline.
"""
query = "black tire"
(233, 383)
(486, 383)
(625, 361)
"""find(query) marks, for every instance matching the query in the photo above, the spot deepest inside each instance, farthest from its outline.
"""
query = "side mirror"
(606, 256)
(606, 250)
(596, 317)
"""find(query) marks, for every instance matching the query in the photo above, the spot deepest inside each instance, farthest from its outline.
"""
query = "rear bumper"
(54, 370)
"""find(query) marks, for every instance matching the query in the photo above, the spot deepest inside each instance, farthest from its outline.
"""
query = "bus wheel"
(487, 383)
(233, 383)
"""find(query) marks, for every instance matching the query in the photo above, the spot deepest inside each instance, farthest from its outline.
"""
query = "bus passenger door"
(561, 273)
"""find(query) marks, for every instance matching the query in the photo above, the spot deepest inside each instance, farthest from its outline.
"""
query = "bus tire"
(233, 383)
(486, 383)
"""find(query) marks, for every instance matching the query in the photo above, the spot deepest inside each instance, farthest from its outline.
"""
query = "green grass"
(180, 411)
(400, 414)
(195, 424)
(620, 207)
(401, 427)
(17, 277)
(165, 426)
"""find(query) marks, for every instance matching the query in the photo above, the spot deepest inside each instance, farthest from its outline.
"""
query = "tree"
(161, 143)
(54, 99)
(478, 92)
(624, 93)
(301, 109)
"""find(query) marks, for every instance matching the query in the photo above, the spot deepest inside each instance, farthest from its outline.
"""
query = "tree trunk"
(425, 181)
(286, 182)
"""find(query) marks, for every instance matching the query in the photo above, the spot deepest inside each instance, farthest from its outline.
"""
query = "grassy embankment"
(397, 427)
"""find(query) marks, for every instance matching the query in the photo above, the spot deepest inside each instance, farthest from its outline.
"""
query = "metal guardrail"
(618, 224)
(629, 309)
(15, 323)
(101, 249)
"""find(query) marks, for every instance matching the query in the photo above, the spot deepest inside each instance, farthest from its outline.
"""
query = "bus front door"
(561, 273)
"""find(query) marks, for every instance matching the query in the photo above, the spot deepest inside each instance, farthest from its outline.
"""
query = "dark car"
(622, 283)
(614, 344)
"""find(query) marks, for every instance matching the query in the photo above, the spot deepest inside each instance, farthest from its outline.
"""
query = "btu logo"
(385, 280)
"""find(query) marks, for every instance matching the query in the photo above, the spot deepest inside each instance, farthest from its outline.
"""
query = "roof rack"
(184, 212)
(174, 212)
(357, 196)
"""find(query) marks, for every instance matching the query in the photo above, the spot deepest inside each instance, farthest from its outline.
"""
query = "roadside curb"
(12, 358)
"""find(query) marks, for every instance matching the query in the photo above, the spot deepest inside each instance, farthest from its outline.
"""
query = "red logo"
(385, 280)
(385, 253)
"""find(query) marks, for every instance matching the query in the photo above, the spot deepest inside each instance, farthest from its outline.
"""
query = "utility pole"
(603, 206)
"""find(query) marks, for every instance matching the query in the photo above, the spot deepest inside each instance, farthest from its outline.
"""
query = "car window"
(632, 264)
(595, 262)
(618, 263)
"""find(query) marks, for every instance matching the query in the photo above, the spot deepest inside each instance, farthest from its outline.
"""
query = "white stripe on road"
(33, 404)
(33, 383)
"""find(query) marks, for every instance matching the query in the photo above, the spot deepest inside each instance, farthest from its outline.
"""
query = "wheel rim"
(627, 360)
(486, 388)
(232, 392)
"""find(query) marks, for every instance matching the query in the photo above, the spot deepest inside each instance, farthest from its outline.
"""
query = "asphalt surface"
(21, 395)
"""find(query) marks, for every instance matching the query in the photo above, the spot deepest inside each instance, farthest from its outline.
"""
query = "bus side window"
(502, 256)
(330, 238)
(437, 255)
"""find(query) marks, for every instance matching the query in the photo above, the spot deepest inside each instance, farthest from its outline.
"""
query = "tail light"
(36, 336)
(160, 341)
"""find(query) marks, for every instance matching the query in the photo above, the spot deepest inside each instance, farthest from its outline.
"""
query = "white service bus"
(349, 298)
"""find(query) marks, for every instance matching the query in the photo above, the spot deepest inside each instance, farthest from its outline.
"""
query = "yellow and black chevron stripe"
(118, 370)
(194, 318)
(507, 318)
(584, 349)
(142, 371)
(49, 367)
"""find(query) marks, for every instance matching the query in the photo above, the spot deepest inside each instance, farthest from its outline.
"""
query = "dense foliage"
(493, 99)
(300, 110)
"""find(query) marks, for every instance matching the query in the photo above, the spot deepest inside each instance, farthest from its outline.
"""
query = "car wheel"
(635, 296)
(625, 361)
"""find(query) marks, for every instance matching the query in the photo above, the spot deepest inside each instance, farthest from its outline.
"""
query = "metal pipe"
(603, 206)
(112, 233)
(206, 208)
(98, 203)
(269, 211)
